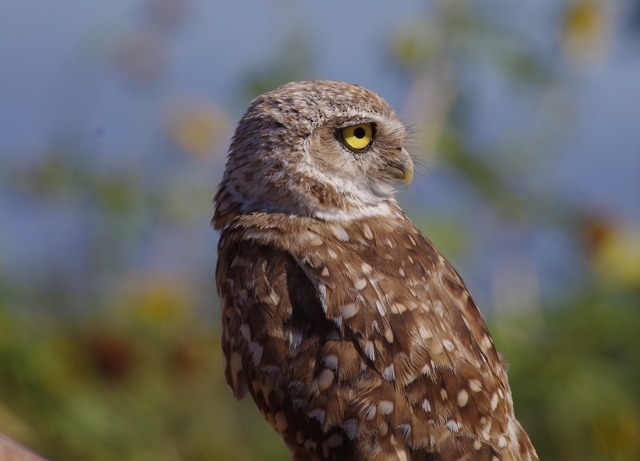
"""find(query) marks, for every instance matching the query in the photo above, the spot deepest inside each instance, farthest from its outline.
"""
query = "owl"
(354, 336)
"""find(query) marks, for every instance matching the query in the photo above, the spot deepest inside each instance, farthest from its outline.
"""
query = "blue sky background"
(58, 82)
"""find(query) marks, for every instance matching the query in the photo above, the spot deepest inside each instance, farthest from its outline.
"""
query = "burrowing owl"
(355, 337)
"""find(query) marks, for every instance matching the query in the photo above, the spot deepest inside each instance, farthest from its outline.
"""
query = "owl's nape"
(354, 336)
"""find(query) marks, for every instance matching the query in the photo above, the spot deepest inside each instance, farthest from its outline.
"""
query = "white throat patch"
(366, 211)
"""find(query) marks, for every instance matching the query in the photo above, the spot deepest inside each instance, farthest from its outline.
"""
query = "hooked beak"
(402, 167)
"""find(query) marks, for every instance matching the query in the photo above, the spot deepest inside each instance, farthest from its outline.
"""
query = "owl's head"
(327, 149)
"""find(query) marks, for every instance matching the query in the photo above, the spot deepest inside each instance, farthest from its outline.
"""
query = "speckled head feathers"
(286, 154)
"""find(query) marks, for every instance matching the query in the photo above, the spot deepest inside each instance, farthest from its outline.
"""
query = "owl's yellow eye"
(358, 137)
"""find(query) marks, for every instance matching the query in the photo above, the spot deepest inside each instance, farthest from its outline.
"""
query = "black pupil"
(359, 132)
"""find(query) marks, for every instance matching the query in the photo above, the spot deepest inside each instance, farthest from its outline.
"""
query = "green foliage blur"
(118, 359)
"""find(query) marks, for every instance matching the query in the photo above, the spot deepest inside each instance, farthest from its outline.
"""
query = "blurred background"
(114, 122)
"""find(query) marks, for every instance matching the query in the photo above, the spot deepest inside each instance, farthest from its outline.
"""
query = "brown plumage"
(355, 337)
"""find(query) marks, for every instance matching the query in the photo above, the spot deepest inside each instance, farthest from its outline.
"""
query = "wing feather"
(370, 328)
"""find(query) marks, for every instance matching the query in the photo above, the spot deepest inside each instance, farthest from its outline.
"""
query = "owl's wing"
(345, 349)
(433, 370)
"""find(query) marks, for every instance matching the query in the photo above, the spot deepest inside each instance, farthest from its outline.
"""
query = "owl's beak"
(402, 167)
